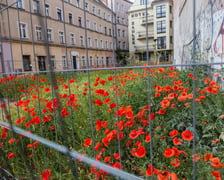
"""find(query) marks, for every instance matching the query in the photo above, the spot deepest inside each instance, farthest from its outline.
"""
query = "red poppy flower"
(173, 176)
(175, 162)
(207, 157)
(133, 134)
(148, 138)
(187, 135)
(98, 102)
(113, 105)
(71, 81)
(150, 170)
(177, 141)
(140, 152)
(98, 146)
(47, 90)
(64, 112)
(173, 133)
(169, 152)
(88, 142)
(117, 156)
(107, 159)
(163, 175)
(46, 174)
(35, 144)
(216, 163)
(216, 174)
(103, 82)
(106, 101)
(11, 155)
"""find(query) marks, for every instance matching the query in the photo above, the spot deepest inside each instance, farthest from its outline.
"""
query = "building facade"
(120, 8)
(209, 31)
(59, 25)
(160, 30)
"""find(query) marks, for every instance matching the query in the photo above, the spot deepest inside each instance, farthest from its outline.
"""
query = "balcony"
(142, 34)
(142, 48)
(149, 20)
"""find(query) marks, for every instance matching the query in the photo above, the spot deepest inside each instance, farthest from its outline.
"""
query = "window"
(106, 44)
(99, 12)
(97, 61)
(83, 61)
(70, 18)
(49, 35)
(171, 9)
(104, 15)
(123, 33)
(161, 42)
(111, 45)
(88, 24)
(94, 10)
(91, 61)
(68, 1)
(110, 32)
(123, 21)
(143, 2)
(89, 42)
(80, 21)
(20, 4)
(100, 28)
(61, 37)
(78, 3)
(59, 15)
(52, 62)
(47, 10)
(23, 30)
(101, 43)
(109, 18)
(64, 62)
(118, 19)
(102, 61)
(105, 30)
(124, 45)
(119, 44)
(96, 43)
(171, 40)
(36, 6)
(81, 41)
(119, 32)
(160, 11)
(95, 27)
(161, 26)
(86, 6)
(27, 66)
(72, 38)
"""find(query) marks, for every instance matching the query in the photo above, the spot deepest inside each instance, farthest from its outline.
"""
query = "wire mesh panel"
(90, 116)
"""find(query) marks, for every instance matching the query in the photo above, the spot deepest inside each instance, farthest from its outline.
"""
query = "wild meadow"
(113, 117)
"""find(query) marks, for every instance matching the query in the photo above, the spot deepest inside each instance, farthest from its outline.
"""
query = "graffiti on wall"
(209, 32)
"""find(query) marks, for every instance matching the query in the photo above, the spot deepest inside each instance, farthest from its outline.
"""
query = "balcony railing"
(142, 48)
(149, 20)
(142, 34)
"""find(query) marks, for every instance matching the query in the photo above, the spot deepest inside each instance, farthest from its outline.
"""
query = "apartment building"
(160, 30)
(120, 8)
(59, 25)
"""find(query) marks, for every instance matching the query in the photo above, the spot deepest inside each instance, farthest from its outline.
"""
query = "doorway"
(74, 63)
(41, 63)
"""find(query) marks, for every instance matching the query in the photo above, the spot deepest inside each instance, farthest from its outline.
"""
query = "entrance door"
(26, 63)
(74, 62)
(41, 63)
